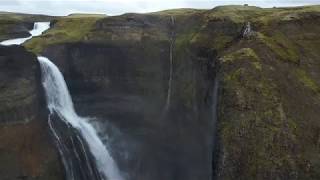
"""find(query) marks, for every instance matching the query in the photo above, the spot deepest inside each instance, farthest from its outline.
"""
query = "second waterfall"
(83, 154)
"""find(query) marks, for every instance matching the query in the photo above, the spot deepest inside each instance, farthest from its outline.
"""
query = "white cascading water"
(38, 29)
(59, 100)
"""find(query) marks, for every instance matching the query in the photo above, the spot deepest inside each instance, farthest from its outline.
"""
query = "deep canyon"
(227, 93)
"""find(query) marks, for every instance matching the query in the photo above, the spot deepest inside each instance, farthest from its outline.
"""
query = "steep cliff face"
(150, 81)
(120, 75)
(25, 148)
(269, 106)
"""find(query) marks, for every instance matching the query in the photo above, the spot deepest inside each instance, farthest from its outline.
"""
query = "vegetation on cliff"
(266, 108)
(269, 100)
(73, 28)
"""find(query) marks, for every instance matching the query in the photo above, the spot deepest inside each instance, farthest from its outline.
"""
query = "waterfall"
(247, 33)
(38, 29)
(214, 107)
(73, 134)
(168, 100)
(60, 103)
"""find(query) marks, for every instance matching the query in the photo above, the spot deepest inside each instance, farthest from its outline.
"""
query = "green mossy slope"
(73, 28)
(269, 111)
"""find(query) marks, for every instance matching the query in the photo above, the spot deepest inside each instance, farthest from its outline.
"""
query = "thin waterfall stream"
(172, 40)
(214, 107)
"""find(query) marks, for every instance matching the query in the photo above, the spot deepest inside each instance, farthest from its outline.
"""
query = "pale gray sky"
(115, 7)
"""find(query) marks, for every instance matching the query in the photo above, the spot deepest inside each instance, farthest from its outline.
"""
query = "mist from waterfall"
(59, 101)
(38, 29)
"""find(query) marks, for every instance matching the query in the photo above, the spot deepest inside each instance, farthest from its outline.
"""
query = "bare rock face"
(26, 151)
(120, 76)
(19, 77)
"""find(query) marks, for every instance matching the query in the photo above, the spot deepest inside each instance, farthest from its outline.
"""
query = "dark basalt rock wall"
(26, 151)
(74, 151)
(15, 25)
(123, 82)
(118, 71)
(14, 29)
(20, 79)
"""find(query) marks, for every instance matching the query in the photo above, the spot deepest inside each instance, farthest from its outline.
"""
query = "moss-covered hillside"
(269, 103)
(72, 28)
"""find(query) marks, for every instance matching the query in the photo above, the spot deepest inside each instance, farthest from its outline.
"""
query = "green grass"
(236, 13)
(67, 29)
(268, 118)
(307, 80)
(178, 12)
(9, 20)
(77, 27)
(281, 46)
(80, 15)
(287, 14)
(240, 14)
(244, 55)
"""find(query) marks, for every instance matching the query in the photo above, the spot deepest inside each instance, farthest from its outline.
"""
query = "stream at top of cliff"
(38, 29)
(172, 40)
(83, 153)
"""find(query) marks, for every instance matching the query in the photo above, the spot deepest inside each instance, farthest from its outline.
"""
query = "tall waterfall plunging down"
(38, 29)
(60, 103)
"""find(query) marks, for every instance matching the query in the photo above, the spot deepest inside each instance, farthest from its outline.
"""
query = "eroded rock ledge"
(26, 149)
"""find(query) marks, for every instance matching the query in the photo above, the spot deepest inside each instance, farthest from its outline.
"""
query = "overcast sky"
(115, 7)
